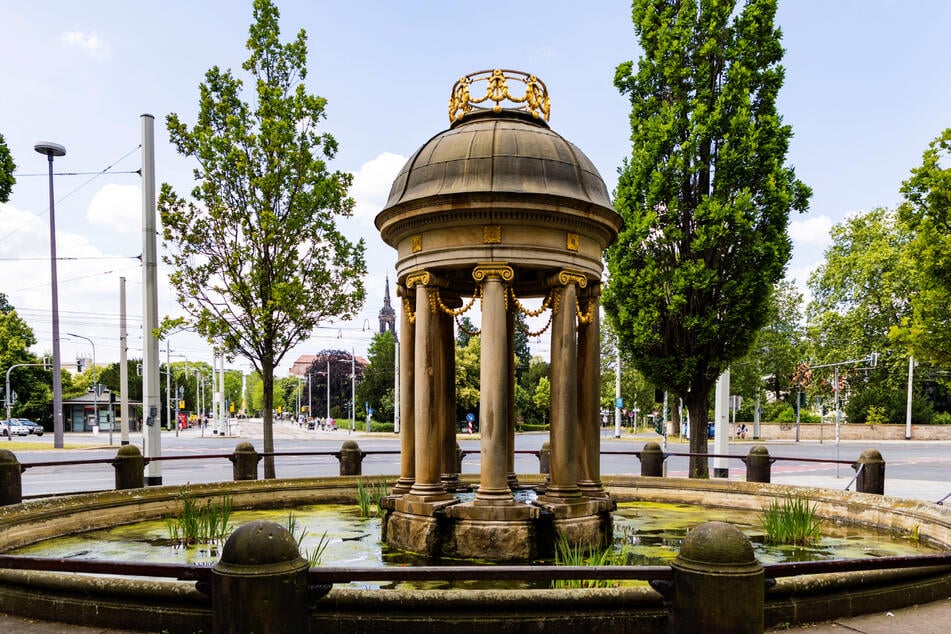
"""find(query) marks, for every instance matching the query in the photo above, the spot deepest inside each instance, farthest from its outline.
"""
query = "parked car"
(34, 428)
(13, 427)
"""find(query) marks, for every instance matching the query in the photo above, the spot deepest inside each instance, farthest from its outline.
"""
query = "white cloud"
(812, 231)
(88, 42)
(118, 207)
(372, 182)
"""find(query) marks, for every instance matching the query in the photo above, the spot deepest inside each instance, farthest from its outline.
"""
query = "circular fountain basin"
(176, 606)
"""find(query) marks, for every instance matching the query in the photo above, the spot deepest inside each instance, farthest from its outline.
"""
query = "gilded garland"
(534, 100)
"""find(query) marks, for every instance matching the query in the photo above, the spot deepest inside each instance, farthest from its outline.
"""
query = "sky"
(866, 90)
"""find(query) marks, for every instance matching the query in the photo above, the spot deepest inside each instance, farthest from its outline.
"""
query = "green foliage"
(257, 258)
(927, 212)
(792, 521)
(705, 195)
(7, 167)
(941, 418)
(860, 295)
(542, 396)
(379, 377)
(875, 416)
(890, 404)
(198, 523)
(468, 364)
(30, 384)
(379, 427)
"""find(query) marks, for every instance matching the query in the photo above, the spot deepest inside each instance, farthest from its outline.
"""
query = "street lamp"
(95, 381)
(51, 150)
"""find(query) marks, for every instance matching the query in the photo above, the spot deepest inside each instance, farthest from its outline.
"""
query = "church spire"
(387, 314)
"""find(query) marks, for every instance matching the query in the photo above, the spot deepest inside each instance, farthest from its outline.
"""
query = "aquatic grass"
(567, 554)
(369, 497)
(792, 521)
(312, 555)
(198, 523)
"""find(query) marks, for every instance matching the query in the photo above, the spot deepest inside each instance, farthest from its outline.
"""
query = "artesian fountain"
(497, 208)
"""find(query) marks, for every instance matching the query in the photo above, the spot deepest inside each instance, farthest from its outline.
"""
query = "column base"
(403, 486)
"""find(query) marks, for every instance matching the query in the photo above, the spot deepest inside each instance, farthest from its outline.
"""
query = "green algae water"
(648, 533)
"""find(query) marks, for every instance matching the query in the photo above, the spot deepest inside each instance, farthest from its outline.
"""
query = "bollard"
(130, 468)
(758, 464)
(544, 458)
(459, 457)
(717, 585)
(11, 484)
(245, 460)
(871, 477)
(260, 583)
(351, 459)
(652, 460)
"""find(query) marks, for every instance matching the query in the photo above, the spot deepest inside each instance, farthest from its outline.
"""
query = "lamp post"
(95, 381)
(51, 150)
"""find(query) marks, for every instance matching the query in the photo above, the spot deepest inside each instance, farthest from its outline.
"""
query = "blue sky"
(866, 90)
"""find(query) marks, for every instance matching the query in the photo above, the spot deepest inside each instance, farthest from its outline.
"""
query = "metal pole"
(836, 379)
(95, 387)
(353, 389)
(51, 150)
(123, 369)
(617, 391)
(911, 377)
(798, 406)
(310, 397)
(168, 384)
(151, 399)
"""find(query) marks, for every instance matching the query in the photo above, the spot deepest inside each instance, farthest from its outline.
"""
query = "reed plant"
(197, 522)
(792, 521)
(312, 555)
(368, 497)
(567, 554)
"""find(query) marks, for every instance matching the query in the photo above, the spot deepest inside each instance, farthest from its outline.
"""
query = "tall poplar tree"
(258, 261)
(7, 167)
(705, 195)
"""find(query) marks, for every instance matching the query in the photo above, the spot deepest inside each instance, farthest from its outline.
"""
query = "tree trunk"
(697, 405)
(267, 382)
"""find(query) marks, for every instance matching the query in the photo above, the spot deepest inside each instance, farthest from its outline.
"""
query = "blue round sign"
(470, 417)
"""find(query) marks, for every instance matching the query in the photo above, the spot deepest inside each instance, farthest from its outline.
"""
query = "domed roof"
(506, 152)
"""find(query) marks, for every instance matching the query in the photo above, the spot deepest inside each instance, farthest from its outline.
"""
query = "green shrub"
(893, 404)
(941, 418)
(875, 416)
(380, 427)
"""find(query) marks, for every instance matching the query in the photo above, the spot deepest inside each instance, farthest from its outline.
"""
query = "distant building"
(387, 314)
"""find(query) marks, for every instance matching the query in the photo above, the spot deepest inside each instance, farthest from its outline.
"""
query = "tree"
(380, 376)
(860, 295)
(29, 383)
(257, 259)
(341, 383)
(468, 364)
(927, 213)
(7, 167)
(705, 195)
(542, 397)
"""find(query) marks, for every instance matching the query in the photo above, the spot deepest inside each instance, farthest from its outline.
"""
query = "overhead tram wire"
(96, 175)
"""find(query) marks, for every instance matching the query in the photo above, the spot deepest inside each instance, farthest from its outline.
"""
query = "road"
(916, 469)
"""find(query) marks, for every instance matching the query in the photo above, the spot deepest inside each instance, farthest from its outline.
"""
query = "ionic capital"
(489, 270)
(565, 277)
(425, 278)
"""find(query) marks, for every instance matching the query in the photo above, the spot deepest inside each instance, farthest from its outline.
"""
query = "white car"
(14, 428)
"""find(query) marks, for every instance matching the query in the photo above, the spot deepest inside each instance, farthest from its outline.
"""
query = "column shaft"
(589, 401)
(564, 397)
(427, 484)
(494, 387)
(407, 403)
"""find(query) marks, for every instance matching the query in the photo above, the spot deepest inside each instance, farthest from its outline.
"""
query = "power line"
(78, 173)
(97, 175)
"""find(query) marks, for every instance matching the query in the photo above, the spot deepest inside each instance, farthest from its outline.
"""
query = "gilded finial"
(535, 99)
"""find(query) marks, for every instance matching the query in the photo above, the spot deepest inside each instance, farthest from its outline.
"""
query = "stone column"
(446, 415)
(589, 397)
(407, 393)
(510, 436)
(494, 385)
(428, 388)
(564, 390)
